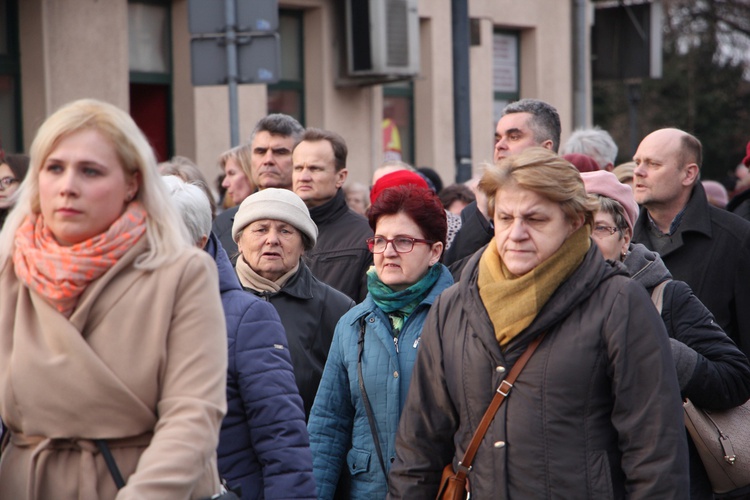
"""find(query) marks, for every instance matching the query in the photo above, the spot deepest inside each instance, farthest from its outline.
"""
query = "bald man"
(704, 246)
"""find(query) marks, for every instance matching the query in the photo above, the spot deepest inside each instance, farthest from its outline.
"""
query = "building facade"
(136, 54)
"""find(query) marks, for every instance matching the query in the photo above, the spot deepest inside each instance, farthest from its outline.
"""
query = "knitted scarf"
(61, 274)
(513, 302)
(251, 279)
(399, 305)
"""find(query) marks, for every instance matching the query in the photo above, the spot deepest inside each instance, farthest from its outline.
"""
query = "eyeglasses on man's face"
(7, 182)
(402, 244)
(601, 231)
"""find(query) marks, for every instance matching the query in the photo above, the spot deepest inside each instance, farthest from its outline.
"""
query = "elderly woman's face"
(611, 244)
(400, 270)
(271, 247)
(529, 228)
(83, 187)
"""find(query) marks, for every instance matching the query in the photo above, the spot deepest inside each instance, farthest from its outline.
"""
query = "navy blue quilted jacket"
(264, 446)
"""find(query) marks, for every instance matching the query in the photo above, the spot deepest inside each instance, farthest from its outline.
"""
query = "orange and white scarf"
(59, 273)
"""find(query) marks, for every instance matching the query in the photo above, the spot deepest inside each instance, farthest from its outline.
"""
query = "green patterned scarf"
(399, 305)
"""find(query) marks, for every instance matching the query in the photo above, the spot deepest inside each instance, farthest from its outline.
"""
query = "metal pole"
(461, 95)
(232, 70)
(580, 60)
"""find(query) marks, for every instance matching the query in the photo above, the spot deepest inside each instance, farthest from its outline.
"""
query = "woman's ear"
(627, 235)
(435, 252)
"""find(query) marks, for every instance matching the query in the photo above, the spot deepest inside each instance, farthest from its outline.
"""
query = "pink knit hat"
(606, 184)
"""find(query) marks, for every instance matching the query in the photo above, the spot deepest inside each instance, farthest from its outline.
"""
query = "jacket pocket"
(600, 475)
(358, 461)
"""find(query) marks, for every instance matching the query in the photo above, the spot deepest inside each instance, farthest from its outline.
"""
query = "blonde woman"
(111, 326)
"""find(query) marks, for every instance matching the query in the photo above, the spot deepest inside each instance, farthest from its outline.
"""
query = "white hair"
(191, 202)
(593, 142)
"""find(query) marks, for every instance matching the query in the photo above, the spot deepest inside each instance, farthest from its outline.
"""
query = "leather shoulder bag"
(722, 438)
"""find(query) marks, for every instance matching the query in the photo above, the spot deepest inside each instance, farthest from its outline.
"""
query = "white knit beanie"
(276, 204)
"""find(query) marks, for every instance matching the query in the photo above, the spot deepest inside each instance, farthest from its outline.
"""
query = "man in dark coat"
(525, 123)
(272, 141)
(706, 247)
(340, 257)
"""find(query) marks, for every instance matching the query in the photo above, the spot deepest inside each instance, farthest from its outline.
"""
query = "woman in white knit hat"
(273, 229)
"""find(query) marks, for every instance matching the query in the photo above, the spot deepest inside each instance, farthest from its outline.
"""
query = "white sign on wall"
(505, 62)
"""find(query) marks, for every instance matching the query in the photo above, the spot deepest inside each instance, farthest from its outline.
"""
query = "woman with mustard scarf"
(356, 412)
(596, 412)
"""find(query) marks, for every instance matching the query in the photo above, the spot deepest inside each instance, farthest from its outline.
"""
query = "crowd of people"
(305, 336)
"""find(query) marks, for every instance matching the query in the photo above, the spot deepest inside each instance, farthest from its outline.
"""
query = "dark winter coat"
(596, 412)
(476, 231)
(340, 257)
(740, 205)
(711, 370)
(222, 228)
(263, 446)
(309, 310)
(710, 251)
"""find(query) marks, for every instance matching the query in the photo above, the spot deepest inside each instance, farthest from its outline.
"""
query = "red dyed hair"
(419, 204)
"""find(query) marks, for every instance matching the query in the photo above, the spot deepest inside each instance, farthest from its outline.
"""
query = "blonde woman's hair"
(242, 155)
(543, 172)
(166, 234)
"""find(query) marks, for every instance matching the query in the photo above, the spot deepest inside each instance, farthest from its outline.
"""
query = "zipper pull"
(395, 342)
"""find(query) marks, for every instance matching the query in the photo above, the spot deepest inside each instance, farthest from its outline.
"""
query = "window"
(150, 62)
(288, 95)
(505, 70)
(398, 121)
(10, 88)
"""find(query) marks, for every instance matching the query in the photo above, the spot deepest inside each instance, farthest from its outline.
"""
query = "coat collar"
(696, 219)
(228, 279)
(330, 210)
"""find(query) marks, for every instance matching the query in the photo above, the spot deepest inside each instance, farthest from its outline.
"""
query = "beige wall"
(71, 50)
(78, 48)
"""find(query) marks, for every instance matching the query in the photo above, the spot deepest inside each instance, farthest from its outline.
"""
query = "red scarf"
(60, 274)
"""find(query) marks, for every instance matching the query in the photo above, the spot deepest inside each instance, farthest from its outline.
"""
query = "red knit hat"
(746, 159)
(397, 178)
(583, 163)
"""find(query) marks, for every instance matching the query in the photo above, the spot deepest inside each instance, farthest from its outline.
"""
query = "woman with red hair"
(357, 408)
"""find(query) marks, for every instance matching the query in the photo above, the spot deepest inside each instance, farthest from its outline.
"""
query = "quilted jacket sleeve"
(331, 418)
(716, 374)
(273, 407)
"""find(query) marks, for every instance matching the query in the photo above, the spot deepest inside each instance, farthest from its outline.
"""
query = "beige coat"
(141, 362)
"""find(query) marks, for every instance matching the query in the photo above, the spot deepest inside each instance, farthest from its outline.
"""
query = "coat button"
(395, 374)
(500, 369)
(371, 320)
(499, 444)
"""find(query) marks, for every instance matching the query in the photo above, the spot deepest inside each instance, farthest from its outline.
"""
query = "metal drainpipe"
(461, 88)
(580, 60)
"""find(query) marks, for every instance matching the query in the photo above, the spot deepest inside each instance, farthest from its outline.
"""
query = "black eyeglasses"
(402, 244)
(7, 182)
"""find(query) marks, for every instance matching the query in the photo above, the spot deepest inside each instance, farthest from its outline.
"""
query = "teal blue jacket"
(339, 430)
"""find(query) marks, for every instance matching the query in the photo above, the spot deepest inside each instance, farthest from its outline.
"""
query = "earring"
(623, 255)
(129, 198)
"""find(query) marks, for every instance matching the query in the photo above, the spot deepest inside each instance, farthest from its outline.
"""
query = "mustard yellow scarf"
(513, 302)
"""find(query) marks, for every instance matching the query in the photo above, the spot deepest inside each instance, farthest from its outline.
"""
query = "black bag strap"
(366, 400)
(110, 461)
